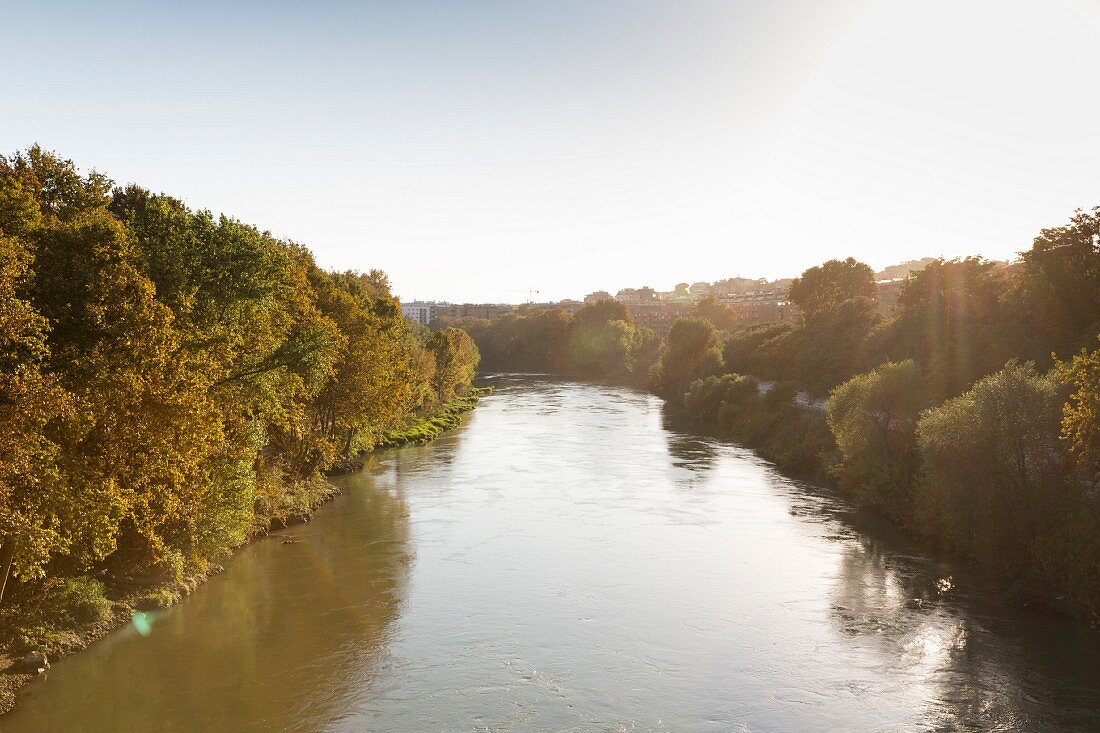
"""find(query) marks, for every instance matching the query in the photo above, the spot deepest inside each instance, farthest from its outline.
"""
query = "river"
(567, 560)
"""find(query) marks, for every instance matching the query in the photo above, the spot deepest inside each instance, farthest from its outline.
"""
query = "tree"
(948, 318)
(829, 347)
(873, 418)
(456, 358)
(1081, 414)
(690, 351)
(721, 316)
(594, 315)
(603, 340)
(826, 286)
(33, 504)
(1058, 293)
(993, 466)
(170, 381)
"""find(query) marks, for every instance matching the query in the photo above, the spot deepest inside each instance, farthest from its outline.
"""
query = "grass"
(427, 428)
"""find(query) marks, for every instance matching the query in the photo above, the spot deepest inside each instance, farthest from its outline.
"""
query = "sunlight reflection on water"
(569, 560)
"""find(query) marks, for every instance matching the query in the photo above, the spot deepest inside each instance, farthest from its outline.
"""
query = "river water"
(567, 560)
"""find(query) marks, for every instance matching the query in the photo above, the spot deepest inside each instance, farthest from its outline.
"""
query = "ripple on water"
(564, 561)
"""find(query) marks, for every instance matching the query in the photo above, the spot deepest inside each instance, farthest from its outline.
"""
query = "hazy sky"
(474, 150)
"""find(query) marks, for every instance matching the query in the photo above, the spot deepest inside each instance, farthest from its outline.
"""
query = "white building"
(419, 311)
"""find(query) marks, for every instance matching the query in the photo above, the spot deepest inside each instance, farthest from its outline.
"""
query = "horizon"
(477, 154)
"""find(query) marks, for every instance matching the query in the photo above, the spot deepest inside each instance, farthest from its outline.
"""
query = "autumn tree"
(455, 360)
(721, 316)
(33, 503)
(1081, 414)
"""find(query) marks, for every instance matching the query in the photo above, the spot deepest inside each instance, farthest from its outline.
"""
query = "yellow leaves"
(168, 376)
(1081, 413)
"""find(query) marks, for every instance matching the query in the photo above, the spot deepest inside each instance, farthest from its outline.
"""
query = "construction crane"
(531, 293)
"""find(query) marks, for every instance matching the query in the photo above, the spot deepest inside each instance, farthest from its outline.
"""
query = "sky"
(500, 151)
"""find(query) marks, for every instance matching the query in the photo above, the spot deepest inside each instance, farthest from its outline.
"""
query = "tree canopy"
(170, 381)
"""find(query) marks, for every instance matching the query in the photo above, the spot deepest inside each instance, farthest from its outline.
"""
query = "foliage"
(1081, 414)
(70, 603)
(720, 316)
(826, 286)
(993, 466)
(736, 407)
(948, 319)
(711, 399)
(600, 341)
(1057, 295)
(690, 351)
(873, 418)
(171, 381)
(427, 428)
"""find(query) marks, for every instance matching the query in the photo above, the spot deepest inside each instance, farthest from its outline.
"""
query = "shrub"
(82, 599)
(873, 418)
(993, 466)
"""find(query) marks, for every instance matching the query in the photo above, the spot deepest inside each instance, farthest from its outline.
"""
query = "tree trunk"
(7, 554)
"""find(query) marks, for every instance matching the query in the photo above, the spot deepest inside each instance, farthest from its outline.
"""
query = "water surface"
(568, 561)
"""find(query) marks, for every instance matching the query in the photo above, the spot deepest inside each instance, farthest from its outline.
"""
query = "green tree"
(873, 418)
(993, 466)
(603, 340)
(1057, 298)
(826, 286)
(690, 351)
(949, 320)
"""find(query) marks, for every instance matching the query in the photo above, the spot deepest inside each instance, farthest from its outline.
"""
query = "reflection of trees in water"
(978, 677)
(280, 641)
(347, 580)
(983, 665)
(692, 453)
(689, 450)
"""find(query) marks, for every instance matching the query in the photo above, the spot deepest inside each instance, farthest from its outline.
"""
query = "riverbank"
(558, 555)
(795, 435)
(67, 615)
(420, 430)
(781, 425)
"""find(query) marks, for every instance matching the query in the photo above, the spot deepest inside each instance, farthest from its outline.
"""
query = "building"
(699, 291)
(597, 297)
(658, 315)
(768, 305)
(419, 311)
(886, 294)
(636, 296)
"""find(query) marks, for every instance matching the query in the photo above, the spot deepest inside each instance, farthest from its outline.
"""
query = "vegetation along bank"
(970, 415)
(171, 384)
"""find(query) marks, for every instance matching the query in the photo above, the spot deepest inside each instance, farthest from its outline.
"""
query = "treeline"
(600, 341)
(171, 381)
(970, 415)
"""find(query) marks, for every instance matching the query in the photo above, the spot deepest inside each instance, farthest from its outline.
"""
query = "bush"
(873, 418)
(712, 399)
(82, 599)
(994, 468)
(48, 620)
